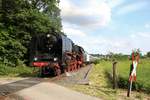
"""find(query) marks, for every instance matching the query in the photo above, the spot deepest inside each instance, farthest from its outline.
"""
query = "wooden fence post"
(114, 75)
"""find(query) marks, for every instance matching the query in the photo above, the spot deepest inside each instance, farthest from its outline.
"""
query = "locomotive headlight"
(48, 35)
(35, 59)
(55, 59)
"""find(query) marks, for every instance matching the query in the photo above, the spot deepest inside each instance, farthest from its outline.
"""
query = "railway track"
(10, 88)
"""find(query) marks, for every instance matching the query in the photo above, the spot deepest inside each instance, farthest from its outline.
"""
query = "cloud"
(131, 8)
(89, 14)
(147, 26)
(141, 40)
(74, 32)
(140, 35)
(133, 36)
(115, 3)
(102, 45)
(144, 34)
(79, 18)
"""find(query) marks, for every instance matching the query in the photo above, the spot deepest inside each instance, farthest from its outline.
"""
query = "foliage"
(96, 61)
(117, 56)
(10, 50)
(148, 54)
(19, 21)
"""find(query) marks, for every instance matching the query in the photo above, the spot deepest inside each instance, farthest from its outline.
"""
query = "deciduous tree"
(20, 20)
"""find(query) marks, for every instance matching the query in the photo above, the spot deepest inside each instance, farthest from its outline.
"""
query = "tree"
(20, 20)
(10, 50)
(148, 54)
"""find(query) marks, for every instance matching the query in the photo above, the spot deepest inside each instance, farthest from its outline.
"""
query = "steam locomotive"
(53, 53)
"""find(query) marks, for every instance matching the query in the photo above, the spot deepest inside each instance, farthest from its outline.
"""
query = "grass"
(100, 85)
(19, 71)
(143, 70)
(123, 68)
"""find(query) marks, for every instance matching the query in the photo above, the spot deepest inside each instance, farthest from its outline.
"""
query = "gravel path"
(78, 77)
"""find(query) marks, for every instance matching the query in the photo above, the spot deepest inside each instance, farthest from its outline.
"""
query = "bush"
(96, 61)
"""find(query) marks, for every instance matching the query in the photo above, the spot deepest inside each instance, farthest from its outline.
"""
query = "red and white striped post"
(133, 67)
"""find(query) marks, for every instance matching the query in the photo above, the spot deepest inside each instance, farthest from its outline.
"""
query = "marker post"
(132, 75)
(129, 83)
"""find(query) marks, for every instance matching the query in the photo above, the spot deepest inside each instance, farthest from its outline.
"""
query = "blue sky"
(102, 26)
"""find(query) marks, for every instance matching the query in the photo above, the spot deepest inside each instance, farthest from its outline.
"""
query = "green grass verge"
(19, 71)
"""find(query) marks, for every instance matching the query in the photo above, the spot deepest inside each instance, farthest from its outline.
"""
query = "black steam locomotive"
(53, 53)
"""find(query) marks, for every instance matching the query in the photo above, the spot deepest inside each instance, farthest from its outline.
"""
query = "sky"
(103, 26)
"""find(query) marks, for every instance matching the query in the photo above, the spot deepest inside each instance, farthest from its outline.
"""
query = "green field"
(101, 84)
(123, 68)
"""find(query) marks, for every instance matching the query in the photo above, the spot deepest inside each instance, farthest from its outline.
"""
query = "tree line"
(22, 19)
(119, 56)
